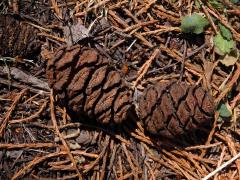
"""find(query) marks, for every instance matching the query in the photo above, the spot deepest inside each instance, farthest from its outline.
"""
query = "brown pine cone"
(171, 108)
(86, 84)
(17, 38)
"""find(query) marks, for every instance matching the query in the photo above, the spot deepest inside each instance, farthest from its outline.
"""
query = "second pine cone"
(17, 38)
(86, 84)
(171, 108)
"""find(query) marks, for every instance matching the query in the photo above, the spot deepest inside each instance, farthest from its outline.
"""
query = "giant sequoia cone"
(170, 108)
(85, 83)
(17, 38)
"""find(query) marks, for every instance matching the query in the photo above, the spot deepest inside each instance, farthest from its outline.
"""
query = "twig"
(209, 18)
(103, 171)
(56, 9)
(120, 168)
(101, 3)
(183, 61)
(21, 86)
(233, 151)
(203, 146)
(220, 159)
(28, 119)
(216, 115)
(236, 35)
(9, 112)
(113, 156)
(27, 168)
(222, 167)
(143, 70)
(139, 36)
(84, 153)
(90, 166)
(26, 78)
(54, 121)
(26, 146)
(229, 85)
(52, 37)
(130, 161)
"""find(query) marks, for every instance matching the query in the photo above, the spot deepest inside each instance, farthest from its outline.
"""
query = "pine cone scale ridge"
(87, 84)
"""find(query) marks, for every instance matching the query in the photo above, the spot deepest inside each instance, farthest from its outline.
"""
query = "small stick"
(134, 170)
(143, 70)
(229, 85)
(101, 3)
(30, 118)
(236, 35)
(209, 18)
(56, 9)
(220, 159)
(34, 162)
(52, 37)
(54, 121)
(183, 60)
(27, 146)
(222, 167)
(9, 112)
(101, 155)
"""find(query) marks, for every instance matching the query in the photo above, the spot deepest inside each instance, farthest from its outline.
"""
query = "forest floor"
(194, 41)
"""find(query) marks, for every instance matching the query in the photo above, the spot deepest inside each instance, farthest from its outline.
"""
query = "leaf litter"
(38, 138)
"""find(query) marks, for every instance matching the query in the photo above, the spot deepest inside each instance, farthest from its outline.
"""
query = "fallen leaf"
(226, 33)
(222, 45)
(231, 58)
(193, 24)
(75, 33)
(224, 110)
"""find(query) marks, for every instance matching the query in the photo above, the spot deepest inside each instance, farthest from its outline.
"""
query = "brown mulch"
(38, 139)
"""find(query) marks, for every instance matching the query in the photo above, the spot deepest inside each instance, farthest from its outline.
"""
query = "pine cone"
(86, 83)
(17, 38)
(170, 108)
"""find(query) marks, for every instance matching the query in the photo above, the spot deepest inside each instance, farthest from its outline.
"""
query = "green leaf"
(198, 5)
(193, 24)
(216, 4)
(234, 1)
(222, 46)
(224, 111)
(226, 33)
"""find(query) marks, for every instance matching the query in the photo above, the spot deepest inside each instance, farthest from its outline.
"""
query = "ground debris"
(142, 41)
(17, 37)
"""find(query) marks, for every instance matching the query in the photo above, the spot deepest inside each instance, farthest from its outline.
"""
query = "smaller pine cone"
(171, 108)
(86, 84)
(17, 38)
